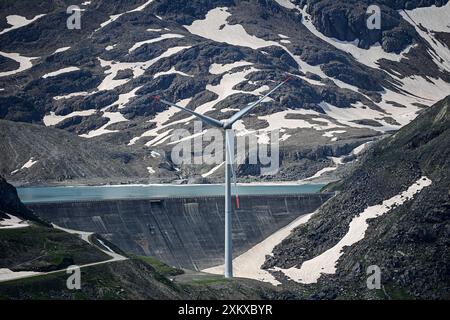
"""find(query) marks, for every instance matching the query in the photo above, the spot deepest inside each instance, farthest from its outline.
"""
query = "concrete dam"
(183, 232)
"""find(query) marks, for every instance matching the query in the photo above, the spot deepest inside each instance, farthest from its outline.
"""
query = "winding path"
(8, 275)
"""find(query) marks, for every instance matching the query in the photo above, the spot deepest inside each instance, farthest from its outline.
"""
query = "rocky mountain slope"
(59, 156)
(11, 204)
(350, 83)
(391, 212)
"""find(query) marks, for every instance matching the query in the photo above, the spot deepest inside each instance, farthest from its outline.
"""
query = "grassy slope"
(135, 279)
(43, 249)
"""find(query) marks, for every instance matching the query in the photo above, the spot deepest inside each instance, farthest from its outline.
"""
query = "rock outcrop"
(11, 204)
(409, 243)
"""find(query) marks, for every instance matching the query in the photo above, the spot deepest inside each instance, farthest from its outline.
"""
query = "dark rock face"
(410, 243)
(62, 156)
(18, 109)
(10, 202)
(82, 127)
(185, 11)
(350, 75)
(124, 74)
(346, 21)
(8, 64)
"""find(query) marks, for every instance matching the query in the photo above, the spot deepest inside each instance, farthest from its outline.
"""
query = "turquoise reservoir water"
(67, 194)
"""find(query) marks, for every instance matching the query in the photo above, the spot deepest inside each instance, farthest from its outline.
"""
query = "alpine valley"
(366, 113)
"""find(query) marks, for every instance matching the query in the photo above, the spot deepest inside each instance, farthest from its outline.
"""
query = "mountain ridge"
(128, 51)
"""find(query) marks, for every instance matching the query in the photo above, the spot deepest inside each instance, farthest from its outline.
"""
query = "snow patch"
(216, 68)
(114, 117)
(138, 68)
(358, 111)
(305, 68)
(52, 119)
(71, 95)
(278, 121)
(124, 99)
(321, 172)
(27, 165)
(432, 18)
(325, 263)
(223, 90)
(171, 71)
(110, 47)
(427, 21)
(60, 71)
(12, 222)
(137, 45)
(160, 120)
(286, 3)
(61, 50)
(331, 134)
(225, 110)
(360, 149)
(369, 57)
(117, 16)
(16, 22)
(210, 172)
(25, 63)
(215, 27)
(248, 264)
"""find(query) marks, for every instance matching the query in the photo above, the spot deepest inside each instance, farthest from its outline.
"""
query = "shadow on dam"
(183, 232)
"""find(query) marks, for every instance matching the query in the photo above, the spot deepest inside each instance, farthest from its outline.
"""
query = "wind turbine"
(227, 126)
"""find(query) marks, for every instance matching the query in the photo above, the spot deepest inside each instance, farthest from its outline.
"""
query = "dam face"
(183, 232)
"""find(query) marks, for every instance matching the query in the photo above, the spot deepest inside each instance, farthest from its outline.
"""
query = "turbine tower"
(227, 126)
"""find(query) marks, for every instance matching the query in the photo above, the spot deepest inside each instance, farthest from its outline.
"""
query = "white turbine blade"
(249, 107)
(203, 118)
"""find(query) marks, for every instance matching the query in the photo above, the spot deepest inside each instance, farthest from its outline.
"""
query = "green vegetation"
(332, 186)
(395, 292)
(96, 282)
(210, 281)
(38, 248)
(159, 266)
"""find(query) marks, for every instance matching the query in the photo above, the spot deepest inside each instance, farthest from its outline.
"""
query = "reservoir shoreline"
(31, 195)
